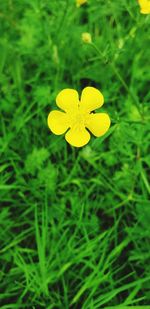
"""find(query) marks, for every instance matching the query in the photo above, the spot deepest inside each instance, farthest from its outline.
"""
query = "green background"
(75, 223)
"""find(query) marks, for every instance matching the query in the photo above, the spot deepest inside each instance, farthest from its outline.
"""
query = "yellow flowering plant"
(145, 6)
(86, 38)
(77, 117)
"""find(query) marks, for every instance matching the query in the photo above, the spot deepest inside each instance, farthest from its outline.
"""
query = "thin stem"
(118, 75)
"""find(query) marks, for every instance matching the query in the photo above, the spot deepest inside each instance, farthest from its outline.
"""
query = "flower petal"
(68, 100)
(58, 122)
(98, 124)
(145, 6)
(91, 98)
(77, 137)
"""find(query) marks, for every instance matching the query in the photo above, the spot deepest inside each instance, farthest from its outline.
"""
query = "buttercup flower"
(86, 37)
(80, 2)
(145, 6)
(77, 116)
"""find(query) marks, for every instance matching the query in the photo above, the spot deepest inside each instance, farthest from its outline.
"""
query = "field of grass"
(75, 222)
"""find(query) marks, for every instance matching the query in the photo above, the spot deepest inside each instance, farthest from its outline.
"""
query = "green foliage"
(74, 222)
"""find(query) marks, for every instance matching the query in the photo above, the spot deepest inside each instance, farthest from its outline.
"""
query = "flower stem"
(120, 78)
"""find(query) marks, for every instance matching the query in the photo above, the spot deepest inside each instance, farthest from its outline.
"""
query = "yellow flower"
(145, 6)
(86, 37)
(80, 2)
(78, 117)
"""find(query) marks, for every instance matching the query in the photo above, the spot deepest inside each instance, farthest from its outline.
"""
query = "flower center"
(78, 120)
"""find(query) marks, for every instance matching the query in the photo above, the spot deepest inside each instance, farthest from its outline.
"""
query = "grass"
(74, 222)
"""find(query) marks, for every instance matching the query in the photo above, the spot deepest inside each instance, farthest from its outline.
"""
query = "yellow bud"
(86, 37)
(80, 2)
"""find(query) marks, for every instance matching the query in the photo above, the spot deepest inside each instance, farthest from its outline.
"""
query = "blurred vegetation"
(75, 227)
